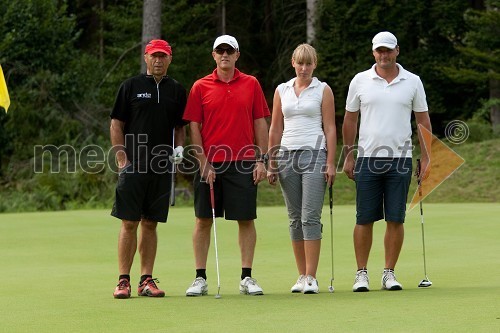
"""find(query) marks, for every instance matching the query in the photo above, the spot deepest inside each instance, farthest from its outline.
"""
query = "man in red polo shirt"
(226, 110)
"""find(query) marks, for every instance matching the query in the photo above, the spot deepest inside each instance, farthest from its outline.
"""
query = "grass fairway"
(59, 269)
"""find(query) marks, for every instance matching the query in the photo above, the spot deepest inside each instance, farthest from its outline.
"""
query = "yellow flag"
(4, 93)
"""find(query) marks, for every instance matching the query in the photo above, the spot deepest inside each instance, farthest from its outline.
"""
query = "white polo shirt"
(385, 111)
(303, 121)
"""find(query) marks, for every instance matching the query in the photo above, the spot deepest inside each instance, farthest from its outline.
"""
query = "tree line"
(64, 60)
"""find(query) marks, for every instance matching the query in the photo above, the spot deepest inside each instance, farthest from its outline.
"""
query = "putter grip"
(417, 171)
(330, 196)
(212, 198)
(172, 191)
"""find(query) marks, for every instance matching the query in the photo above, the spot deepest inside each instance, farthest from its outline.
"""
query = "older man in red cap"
(147, 108)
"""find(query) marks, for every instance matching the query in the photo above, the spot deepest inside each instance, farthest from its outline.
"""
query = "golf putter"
(425, 282)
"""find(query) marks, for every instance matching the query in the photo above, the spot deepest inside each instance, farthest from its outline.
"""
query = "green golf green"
(59, 270)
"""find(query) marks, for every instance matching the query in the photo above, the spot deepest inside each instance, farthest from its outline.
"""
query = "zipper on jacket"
(158, 91)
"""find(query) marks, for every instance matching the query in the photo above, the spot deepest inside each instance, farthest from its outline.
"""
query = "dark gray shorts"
(142, 195)
(234, 191)
(382, 188)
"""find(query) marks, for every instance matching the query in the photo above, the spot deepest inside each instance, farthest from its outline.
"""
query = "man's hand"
(207, 173)
(349, 167)
(259, 172)
(121, 159)
(423, 169)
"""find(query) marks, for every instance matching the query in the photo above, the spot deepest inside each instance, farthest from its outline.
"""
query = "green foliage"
(427, 40)
(477, 179)
(482, 40)
(480, 60)
(36, 33)
(480, 46)
(191, 36)
(479, 130)
(64, 61)
(121, 39)
(36, 45)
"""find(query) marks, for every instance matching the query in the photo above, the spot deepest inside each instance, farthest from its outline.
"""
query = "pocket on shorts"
(123, 175)
(125, 170)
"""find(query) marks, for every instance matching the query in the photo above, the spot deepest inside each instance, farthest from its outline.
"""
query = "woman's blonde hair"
(305, 54)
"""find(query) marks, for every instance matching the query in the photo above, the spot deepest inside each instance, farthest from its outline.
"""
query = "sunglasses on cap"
(221, 50)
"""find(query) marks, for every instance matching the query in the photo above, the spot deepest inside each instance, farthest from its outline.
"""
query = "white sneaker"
(249, 286)
(389, 281)
(361, 282)
(199, 287)
(298, 287)
(311, 285)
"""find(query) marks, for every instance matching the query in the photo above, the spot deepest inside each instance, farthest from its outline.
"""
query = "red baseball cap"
(158, 45)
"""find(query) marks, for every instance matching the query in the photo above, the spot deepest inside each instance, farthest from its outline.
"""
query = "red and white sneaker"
(122, 289)
(149, 288)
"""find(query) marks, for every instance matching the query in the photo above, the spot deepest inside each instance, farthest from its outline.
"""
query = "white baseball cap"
(384, 39)
(226, 39)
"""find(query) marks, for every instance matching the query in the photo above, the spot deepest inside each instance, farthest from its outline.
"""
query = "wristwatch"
(263, 159)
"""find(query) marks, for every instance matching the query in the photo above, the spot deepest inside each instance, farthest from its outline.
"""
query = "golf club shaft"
(423, 232)
(172, 185)
(212, 202)
(419, 182)
(331, 228)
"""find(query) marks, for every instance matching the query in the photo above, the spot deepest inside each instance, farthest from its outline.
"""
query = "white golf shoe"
(199, 287)
(361, 282)
(310, 285)
(389, 281)
(298, 287)
(249, 286)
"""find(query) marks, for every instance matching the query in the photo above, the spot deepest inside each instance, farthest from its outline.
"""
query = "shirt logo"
(144, 95)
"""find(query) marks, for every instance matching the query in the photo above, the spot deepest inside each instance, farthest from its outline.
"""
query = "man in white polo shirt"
(385, 96)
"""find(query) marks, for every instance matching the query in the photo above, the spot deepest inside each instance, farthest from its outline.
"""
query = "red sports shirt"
(227, 112)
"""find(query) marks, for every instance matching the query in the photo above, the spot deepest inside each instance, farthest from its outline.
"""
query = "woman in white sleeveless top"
(302, 142)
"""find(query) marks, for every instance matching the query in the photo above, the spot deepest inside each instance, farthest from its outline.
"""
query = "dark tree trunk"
(151, 25)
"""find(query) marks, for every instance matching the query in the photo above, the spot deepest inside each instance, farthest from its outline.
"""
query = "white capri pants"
(302, 180)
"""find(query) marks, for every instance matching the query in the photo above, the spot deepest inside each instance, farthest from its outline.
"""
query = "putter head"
(331, 289)
(425, 283)
(217, 296)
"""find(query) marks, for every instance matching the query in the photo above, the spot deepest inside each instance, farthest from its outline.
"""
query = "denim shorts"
(382, 188)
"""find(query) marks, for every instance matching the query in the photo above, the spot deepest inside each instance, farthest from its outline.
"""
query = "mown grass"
(59, 270)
